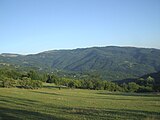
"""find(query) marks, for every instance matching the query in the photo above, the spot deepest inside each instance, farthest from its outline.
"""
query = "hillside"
(111, 63)
(155, 76)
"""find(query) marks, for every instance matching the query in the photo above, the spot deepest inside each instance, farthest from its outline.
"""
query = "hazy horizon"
(74, 49)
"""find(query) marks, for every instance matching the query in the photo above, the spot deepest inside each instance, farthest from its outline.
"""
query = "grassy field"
(74, 104)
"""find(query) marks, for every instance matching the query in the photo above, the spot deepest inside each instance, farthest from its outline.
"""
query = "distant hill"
(155, 75)
(111, 63)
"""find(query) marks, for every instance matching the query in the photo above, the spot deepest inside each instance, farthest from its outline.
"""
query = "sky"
(33, 26)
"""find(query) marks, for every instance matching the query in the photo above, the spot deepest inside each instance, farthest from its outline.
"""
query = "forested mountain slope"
(111, 63)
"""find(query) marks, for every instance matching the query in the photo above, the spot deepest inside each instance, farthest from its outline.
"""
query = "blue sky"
(32, 26)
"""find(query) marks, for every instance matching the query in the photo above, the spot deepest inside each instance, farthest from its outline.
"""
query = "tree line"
(139, 85)
(12, 78)
(32, 79)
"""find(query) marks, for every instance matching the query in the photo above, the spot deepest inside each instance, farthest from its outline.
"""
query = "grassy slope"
(68, 104)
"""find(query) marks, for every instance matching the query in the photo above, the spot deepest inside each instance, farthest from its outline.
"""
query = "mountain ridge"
(111, 62)
(70, 49)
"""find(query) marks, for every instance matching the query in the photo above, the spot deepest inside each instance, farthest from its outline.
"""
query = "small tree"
(125, 87)
(71, 84)
(145, 89)
(150, 81)
(53, 79)
(8, 82)
(30, 84)
(133, 87)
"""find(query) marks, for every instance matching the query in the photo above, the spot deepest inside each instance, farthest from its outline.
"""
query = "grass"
(74, 104)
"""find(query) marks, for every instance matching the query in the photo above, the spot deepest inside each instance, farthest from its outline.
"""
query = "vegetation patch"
(76, 104)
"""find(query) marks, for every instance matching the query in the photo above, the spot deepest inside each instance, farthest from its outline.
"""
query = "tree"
(124, 87)
(157, 87)
(53, 79)
(71, 84)
(98, 85)
(150, 81)
(133, 87)
(30, 84)
(8, 82)
(33, 75)
(145, 89)
(87, 84)
(77, 84)
(141, 81)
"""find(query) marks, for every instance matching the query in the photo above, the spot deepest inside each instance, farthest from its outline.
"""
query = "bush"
(8, 82)
(30, 84)
(36, 84)
(145, 89)
(71, 84)
(133, 87)
(156, 88)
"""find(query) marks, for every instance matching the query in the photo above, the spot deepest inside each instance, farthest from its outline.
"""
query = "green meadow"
(76, 104)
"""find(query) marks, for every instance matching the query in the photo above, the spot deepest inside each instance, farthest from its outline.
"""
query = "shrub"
(133, 87)
(30, 84)
(8, 82)
(145, 89)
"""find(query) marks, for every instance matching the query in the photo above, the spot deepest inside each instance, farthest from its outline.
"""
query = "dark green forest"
(111, 63)
(32, 79)
(125, 69)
